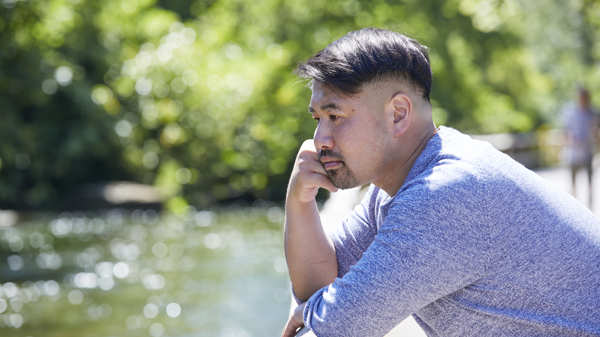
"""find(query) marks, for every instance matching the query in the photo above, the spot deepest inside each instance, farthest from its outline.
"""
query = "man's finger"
(308, 148)
(311, 165)
(308, 144)
(291, 328)
(326, 183)
(321, 181)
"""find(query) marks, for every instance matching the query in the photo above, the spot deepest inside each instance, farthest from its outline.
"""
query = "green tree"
(199, 97)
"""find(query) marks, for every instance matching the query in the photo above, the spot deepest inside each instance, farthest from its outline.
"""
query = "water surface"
(141, 273)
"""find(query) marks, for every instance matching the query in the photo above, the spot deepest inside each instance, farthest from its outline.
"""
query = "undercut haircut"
(369, 55)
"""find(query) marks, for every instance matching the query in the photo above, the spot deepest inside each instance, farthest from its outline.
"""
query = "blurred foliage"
(199, 99)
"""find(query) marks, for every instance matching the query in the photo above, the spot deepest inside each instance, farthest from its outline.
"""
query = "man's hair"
(368, 55)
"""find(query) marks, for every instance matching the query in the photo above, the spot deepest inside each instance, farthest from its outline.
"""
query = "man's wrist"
(297, 206)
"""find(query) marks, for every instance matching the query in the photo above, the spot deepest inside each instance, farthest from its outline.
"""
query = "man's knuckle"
(306, 153)
(303, 164)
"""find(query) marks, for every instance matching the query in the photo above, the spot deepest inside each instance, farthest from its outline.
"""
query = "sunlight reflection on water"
(141, 273)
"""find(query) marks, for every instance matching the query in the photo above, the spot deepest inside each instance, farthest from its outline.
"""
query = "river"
(141, 273)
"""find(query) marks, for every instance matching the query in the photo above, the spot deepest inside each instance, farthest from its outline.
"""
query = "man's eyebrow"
(327, 106)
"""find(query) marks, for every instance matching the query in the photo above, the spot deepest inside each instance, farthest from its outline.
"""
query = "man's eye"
(333, 117)
(316, 118)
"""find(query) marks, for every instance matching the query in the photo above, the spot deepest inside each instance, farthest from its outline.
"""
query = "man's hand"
(309, 253)
(295, 322)
(308, 175)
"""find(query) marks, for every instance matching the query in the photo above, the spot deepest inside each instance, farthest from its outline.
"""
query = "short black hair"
(366, 55)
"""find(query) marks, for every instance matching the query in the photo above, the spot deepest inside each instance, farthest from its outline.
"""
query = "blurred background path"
(560, 177)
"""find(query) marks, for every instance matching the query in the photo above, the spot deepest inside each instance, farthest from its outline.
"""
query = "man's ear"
(400, 107)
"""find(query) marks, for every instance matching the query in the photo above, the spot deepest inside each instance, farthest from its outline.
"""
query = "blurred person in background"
(451, 231)
(580, 124)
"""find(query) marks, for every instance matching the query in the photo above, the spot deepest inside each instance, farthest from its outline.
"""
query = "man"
(459, 235)
(580, 123)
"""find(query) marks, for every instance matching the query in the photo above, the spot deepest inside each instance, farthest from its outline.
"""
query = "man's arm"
(310, 254)
(295, 322)
(430, 244)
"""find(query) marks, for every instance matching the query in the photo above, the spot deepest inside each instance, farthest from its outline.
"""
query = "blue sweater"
(473, 244)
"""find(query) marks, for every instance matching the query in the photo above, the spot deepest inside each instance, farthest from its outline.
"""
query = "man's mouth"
(332, 165)
(330, 162)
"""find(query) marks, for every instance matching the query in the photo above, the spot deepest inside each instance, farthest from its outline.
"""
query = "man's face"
(350, 135)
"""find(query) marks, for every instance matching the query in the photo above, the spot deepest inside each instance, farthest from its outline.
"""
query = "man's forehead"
(324, 97)
(320, 90)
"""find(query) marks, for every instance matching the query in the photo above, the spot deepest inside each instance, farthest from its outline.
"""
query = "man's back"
(543, 275)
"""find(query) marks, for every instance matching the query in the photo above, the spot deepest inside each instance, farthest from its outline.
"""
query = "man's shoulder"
(444, 184)
(454, 183)
(450, 174)
(458, 175)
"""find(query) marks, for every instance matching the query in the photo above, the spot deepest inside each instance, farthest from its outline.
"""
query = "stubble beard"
(341, 177)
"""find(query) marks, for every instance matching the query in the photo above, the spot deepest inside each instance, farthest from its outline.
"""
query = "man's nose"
(323, 138)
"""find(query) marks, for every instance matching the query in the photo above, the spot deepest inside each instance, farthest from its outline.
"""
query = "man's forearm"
(309, 253)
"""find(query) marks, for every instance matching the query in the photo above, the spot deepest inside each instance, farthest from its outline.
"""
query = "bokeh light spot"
(150, 310)
(143, 86)
(156, 330)
(10, 289)
(106, 283)
(160, 250)
(121, 270)
(63, 75)
(173, 310)
(51, 288)
(212, 241)
(15, 262)
(123, 128)
(15, 320)
(153, 281)
(85, 280)
(75, 297)
(3, 305)
(49, 86)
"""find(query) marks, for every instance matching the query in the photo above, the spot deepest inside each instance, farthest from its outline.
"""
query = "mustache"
(330, 154)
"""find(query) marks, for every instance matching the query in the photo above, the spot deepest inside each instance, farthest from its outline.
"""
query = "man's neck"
(400, 168)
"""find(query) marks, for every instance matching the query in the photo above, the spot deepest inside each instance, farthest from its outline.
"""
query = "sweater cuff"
(308, 313)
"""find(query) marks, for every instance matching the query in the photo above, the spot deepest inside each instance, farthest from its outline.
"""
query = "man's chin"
(342, 181)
